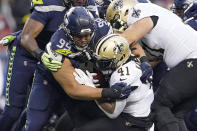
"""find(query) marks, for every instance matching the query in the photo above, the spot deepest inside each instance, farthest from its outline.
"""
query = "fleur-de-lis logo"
(190, 64)
(118, 48)
(118, 5)
(136, 13)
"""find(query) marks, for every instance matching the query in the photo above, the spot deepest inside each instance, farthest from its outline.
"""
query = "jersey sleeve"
(42, 10)
(92, 7)
(103, 27)
(59, 47)
(139, 12)
(192, 23)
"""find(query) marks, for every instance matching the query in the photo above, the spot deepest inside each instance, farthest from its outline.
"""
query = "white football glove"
(95, 81)
(84, 78)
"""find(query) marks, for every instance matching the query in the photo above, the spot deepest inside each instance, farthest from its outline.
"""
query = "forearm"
(82, 92)
(29, 42)
(77, 91)
(30, 31)
(66, 79)
(138, 30)
(112, 109)
(138, 50)
(107, 106)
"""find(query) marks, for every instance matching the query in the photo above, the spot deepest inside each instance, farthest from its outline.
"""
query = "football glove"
(147, 71)
(117, 91)
(49, 63)
(84, 78)
(5, 41)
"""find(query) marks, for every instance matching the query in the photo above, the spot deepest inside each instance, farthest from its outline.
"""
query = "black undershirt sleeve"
(154, 19)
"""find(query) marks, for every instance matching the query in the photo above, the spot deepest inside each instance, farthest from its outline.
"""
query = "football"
(103, 83)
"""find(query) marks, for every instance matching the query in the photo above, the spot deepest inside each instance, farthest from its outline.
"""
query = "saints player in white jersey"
(162, 31)
(114, 59)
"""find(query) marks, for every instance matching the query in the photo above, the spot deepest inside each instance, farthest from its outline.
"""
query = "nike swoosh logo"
(122, 79)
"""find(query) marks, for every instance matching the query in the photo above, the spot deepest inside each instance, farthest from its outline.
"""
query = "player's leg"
(176, 87)
(64, 123)
(107, 124)
(19, 78)
(42, 103)
(21, 121)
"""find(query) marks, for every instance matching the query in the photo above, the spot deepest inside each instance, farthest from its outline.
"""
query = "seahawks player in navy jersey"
(187, 10)
(46, 16)
(68, 45)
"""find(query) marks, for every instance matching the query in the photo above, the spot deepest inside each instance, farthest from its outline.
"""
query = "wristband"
(144, 59)
(109, 93)
(37, 53)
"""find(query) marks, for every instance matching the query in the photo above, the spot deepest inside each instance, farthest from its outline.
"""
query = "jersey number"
(63, 43)
(123, 72)
(101, 22)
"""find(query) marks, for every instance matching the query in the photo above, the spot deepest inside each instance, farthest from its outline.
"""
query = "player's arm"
(30, 31)
(111, 109)
(67, 76)
(66, 79)
(138, 29)
(32, 28)
(133, 34)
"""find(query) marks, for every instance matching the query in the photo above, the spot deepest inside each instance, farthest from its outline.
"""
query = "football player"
(114, 59)
(68, 45)
(162, 31)
(46, 16)
(187, 10)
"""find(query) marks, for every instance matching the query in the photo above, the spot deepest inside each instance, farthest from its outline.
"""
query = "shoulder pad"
(54, 55)
(103, 25)
(192, 22)
(60, 43)
(49, 4)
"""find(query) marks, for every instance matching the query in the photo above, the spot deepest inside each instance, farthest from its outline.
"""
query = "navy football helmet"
(79, 22)
(185, 8)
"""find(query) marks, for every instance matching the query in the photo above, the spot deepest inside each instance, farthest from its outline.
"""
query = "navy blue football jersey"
(61, 46)
(192, 22)
(51, 14)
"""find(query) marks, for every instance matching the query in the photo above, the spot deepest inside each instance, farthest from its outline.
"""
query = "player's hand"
(147, 73)
(117, 91)
(5, 41)
(95, 81)
(83, 78)
(51, 64)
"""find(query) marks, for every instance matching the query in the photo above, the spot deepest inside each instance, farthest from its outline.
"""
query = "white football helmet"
(117, 13)
(111, 52)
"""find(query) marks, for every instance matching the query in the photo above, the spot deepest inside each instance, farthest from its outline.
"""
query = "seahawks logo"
(118, 5)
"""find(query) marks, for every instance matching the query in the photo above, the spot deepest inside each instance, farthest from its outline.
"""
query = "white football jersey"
(139, 101)
(177, 40)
